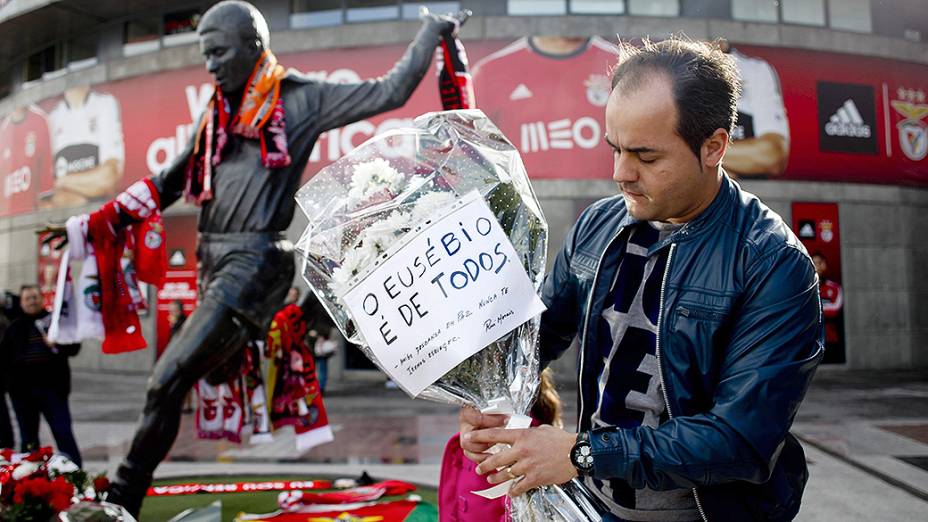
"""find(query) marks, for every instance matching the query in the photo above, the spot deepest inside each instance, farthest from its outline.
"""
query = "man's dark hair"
(29, 286)
(705, 83)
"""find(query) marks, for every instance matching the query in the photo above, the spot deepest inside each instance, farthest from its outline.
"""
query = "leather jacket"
(739, 338)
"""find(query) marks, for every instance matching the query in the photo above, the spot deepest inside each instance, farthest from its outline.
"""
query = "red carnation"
(101, 484)
(41, 454)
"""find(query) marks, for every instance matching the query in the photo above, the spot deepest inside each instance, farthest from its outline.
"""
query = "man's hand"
(447, 24)
(540, 456)
(470, 420)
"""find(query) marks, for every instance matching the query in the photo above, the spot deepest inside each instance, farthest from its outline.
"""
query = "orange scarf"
(260, 116)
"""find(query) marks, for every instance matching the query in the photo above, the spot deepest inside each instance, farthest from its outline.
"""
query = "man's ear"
(713, 149)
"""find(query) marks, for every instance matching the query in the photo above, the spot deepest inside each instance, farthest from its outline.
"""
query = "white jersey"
(760, 108)
(87, 136)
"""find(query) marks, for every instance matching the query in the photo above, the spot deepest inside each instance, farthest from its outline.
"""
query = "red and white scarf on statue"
(101, 236)
(260, 116)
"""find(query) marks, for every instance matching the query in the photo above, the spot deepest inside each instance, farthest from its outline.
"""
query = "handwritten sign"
(449, 290)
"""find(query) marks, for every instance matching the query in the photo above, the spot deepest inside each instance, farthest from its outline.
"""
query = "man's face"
(228, 58)
(31, 301)
(659, 176)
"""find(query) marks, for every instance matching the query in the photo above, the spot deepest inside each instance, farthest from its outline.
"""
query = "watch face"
(583, 456)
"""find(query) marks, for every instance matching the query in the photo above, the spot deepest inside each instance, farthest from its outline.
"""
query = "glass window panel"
(370, 10)
(805, 12)
(306, 6)
(82, 49)
(654, 7)
(537, 7)
(597, 6)
(143, 29)
(411, 8)
(754, 10)
(850, 15)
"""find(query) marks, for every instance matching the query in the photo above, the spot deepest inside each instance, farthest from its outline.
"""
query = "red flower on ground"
(101, 484)
(41, 454)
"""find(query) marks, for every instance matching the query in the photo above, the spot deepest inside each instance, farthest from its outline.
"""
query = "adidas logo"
(520, 93)
(847, 122)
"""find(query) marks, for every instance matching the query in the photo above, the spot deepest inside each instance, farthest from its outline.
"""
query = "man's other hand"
(470, 420)
(538, 456)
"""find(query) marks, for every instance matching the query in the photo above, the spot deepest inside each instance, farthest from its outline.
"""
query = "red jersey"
(832, 303)
(551, 107)
(25, 157)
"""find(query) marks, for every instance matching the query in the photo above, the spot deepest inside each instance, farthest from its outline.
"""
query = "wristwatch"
(581, 455)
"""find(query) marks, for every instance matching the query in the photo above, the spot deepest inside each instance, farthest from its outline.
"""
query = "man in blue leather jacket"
(697, 314)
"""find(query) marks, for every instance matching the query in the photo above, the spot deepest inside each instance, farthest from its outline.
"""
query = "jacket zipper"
(586, 322)
(660, 368)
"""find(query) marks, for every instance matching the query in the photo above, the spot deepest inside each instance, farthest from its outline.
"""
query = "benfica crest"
(913, 132)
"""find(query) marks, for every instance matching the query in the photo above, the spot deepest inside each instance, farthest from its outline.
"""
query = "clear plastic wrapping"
(365, 203)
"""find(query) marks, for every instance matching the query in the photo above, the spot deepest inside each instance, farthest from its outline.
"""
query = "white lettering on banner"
(17, 181)
(338, 142)
(441, 295)
(173, 291)
(560, 134)
(162, 151)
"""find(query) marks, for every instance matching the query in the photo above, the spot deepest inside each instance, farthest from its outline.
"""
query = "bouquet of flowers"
(43, 485)
(401, 216)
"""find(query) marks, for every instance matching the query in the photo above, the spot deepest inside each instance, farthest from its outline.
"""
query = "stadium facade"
(832, 131)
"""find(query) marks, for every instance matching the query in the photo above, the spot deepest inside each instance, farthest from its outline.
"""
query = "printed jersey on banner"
(24, 158)
(551, 118)
(85, 136)
(760, 107)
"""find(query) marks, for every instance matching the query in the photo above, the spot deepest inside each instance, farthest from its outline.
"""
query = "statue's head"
(233, 34)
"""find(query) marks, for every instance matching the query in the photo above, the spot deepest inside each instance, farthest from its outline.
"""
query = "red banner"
(805, 115)
(180, 284)
(237, 487)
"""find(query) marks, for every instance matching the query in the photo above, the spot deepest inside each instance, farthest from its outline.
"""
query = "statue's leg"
(210, 335)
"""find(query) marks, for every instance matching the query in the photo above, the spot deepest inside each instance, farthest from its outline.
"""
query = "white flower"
(431, 206)
(372, 177)
(356, 260)
(25, 469)
(61, 464)
(382, 234)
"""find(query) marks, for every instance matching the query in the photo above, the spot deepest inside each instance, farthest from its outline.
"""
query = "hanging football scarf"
(123, 256)
(256, 395)
(455, 84)
(220, 410)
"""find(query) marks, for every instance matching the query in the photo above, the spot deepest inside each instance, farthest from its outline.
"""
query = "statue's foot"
(129, 489)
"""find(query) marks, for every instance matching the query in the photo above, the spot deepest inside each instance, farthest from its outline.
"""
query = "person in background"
(40, 378)
(832, 304)
(176, 316)
(320, 334)
(293, 295)
(6, 426)
(458, 477)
